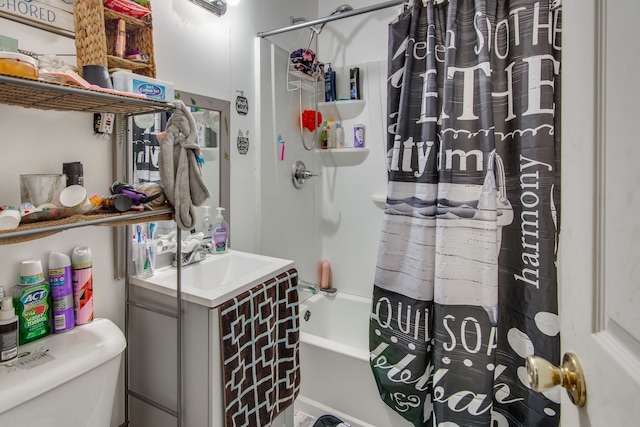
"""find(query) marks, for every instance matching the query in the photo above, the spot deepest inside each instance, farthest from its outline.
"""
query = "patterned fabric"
(466, 286)
(260, 335)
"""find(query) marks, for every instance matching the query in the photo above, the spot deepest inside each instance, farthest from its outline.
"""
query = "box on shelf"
(158, 90)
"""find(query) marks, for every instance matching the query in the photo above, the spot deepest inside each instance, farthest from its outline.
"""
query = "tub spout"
(309, 287)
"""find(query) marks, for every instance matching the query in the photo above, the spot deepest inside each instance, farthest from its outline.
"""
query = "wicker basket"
(95, 28)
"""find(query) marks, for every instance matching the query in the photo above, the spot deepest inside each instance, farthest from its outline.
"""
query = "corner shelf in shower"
(343, 110)
(343, 156)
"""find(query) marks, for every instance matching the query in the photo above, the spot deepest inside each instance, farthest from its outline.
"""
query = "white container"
(155, 89)
(66, 380)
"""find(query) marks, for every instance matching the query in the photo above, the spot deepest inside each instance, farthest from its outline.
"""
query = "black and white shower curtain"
(465, 285)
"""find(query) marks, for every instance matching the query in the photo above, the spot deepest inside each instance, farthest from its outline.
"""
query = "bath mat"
(260, 334)
(330, 421)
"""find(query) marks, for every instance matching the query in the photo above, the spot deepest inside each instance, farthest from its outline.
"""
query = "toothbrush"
(152, 230)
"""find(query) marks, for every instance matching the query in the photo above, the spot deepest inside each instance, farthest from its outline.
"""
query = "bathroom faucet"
(306, 286)
(198, 254)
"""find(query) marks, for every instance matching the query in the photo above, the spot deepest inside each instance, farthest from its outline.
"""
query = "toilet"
(63, 380)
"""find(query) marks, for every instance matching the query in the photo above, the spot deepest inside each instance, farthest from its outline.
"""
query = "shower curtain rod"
(355, 12)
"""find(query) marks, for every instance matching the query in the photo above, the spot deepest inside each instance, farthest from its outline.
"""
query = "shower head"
(340, 9)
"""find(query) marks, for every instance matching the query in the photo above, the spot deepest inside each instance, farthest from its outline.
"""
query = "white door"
(599, 262)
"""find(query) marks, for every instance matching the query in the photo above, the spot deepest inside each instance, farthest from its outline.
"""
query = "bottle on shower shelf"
(329, 84)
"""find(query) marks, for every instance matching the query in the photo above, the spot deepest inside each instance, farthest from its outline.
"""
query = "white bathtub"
(334, 361)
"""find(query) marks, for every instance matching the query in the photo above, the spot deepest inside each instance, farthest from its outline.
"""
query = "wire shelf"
(31, 93)
(297, 79)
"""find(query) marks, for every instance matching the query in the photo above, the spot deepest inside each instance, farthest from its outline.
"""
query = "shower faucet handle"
(300, 174)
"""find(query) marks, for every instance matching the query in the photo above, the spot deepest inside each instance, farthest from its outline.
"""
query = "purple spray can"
(61, 292)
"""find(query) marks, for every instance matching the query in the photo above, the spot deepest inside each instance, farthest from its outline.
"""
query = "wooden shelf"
(30, 93)
(129, 20)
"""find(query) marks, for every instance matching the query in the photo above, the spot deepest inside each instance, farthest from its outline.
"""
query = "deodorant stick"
(82, 278)
(61, 292)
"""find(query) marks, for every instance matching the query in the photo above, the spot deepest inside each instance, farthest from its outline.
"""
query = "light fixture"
(219, 7)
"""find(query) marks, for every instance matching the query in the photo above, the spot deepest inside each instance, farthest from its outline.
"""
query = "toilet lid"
(51, 361)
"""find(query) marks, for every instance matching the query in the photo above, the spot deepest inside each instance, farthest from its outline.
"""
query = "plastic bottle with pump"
(220, 235)
(207, 222)
(8, 329)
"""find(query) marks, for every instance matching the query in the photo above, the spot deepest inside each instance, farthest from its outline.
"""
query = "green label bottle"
(33, 309)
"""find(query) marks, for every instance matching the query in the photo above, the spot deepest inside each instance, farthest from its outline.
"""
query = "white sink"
(216, 279)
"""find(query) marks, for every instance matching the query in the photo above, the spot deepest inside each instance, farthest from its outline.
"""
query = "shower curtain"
(465, 284)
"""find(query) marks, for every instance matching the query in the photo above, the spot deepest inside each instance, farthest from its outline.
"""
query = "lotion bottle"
(220, 235)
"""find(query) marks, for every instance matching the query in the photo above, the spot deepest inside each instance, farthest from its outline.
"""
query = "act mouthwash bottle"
(31, 300)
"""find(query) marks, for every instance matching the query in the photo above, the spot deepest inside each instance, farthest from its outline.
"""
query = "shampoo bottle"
(329, 84)
(220, 234)
(8, 329)
(82, 279)
(31, 301)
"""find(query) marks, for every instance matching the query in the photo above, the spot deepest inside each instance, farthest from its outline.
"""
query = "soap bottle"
(220, 235)
(31, 301)
(8, 329)
(207, 222)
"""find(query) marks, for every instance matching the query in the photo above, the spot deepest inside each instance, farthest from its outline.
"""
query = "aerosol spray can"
(61, 287)
(82, 279)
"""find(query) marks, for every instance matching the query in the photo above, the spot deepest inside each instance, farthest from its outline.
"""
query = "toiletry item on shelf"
(323, 135)
(207, 222)
(121, 36)
(331, 133)
(31, 301)
(8, 329)
(329, 84)
(140, 253)
(354, 81)
(358, 136)
(74, 173)
(61, 287)
(220, 233)
(82, 279)
(325, 274)
(339, 136)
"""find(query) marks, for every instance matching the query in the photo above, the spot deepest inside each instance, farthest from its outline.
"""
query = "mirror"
(212, 120)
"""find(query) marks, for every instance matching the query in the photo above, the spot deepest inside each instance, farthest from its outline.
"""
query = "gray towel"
(180, 171)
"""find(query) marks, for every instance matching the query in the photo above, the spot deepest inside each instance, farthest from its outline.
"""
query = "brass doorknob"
(544, 376)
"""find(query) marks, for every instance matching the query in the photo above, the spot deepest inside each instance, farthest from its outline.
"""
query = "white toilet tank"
(64, 380)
